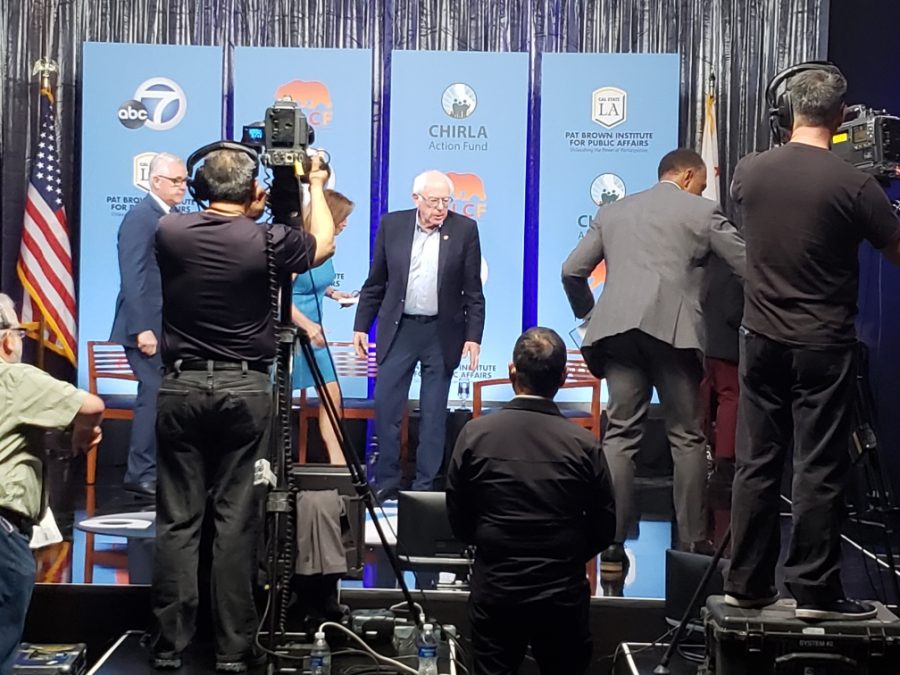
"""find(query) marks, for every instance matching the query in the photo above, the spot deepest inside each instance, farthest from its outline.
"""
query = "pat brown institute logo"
(609, 106)
(158, 104)
(459, 101)
(313, 98)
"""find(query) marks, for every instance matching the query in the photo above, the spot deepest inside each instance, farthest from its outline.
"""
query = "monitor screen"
(423, 529)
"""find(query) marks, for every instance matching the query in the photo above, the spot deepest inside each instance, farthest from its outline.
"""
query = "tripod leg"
(663, 667)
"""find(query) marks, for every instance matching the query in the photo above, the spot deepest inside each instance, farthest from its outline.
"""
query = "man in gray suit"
(646, 329)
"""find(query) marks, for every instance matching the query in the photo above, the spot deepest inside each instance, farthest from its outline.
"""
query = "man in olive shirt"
(30, 402)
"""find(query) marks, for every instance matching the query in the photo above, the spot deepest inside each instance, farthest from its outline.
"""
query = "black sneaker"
(837, 610)
(613, 558)
(747, 602)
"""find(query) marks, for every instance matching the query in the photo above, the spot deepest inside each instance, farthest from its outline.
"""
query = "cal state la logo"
(459, 101)
(609, 106)
(141, 170)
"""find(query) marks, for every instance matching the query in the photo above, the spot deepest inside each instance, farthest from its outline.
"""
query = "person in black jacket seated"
(531, 491)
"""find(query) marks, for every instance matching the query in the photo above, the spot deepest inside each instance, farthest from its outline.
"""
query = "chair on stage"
(578, 377)
(347, 365)
(106, 361)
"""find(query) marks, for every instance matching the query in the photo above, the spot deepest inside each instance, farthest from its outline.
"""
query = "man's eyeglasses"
(17, 331)
(435, 201)
(177, 182)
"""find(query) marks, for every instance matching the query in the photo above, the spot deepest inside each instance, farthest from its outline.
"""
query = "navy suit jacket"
(139, 304)
(460, 297)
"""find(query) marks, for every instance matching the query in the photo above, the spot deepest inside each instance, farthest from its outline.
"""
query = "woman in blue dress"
(309, 291)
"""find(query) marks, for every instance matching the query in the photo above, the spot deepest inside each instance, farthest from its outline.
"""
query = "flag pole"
(44, 67)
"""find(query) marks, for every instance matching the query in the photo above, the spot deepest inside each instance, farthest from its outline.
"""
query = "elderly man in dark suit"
(138, 318)
(646, 329)
(424, 286)
(531, 491)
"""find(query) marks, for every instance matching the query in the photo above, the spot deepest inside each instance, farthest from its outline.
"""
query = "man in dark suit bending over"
(531, 491)
(138, 318)
(424, 287)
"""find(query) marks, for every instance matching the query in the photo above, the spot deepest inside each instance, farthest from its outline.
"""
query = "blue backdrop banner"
(137, 100)
(465, 113)
(333, 87)
(606, 121)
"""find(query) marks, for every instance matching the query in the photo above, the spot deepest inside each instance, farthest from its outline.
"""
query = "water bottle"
(462, 389)
(428, 648)
(320, 656)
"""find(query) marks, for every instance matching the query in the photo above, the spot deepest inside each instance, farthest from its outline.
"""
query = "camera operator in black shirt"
(218, 342)
(805, 211)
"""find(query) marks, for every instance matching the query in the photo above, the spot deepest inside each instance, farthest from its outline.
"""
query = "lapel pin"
(446, 237)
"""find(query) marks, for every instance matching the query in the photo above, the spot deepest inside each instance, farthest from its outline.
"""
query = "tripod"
(864, 449)
(281, 503)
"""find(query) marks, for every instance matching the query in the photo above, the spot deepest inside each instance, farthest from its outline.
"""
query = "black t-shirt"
(805, 211)
(215, 282)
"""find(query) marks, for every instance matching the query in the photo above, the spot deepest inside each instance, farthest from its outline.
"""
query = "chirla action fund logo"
(459, 102)
(469, 196)
(607, 188)
(158, 104)
(312, 97)
(608, 106)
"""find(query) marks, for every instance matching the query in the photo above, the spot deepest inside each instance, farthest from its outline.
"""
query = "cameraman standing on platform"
(215, 400)
(805, 211)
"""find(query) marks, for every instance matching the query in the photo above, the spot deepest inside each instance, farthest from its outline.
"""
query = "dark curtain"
(744, 42)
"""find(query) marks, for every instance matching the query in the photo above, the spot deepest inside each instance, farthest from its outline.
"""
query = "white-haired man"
(424, 286)
(138, 318)
(31, 400)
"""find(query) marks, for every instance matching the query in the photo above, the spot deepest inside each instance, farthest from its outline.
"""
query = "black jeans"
(802, 397)
(558, 631)
(209, 427)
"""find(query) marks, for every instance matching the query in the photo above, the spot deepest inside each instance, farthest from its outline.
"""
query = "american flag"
(45, 257)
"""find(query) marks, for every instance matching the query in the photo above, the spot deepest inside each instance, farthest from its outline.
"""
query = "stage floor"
(99, 558)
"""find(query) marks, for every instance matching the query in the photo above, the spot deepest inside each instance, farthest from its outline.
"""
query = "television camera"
(283, 142)
(870, 140)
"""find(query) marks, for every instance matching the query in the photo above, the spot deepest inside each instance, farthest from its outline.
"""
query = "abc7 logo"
(158, 103)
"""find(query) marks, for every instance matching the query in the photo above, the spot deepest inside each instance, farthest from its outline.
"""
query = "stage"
(626, 607)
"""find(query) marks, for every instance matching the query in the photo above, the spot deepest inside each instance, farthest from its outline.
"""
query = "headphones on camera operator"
(778, 98)
(197, 181)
